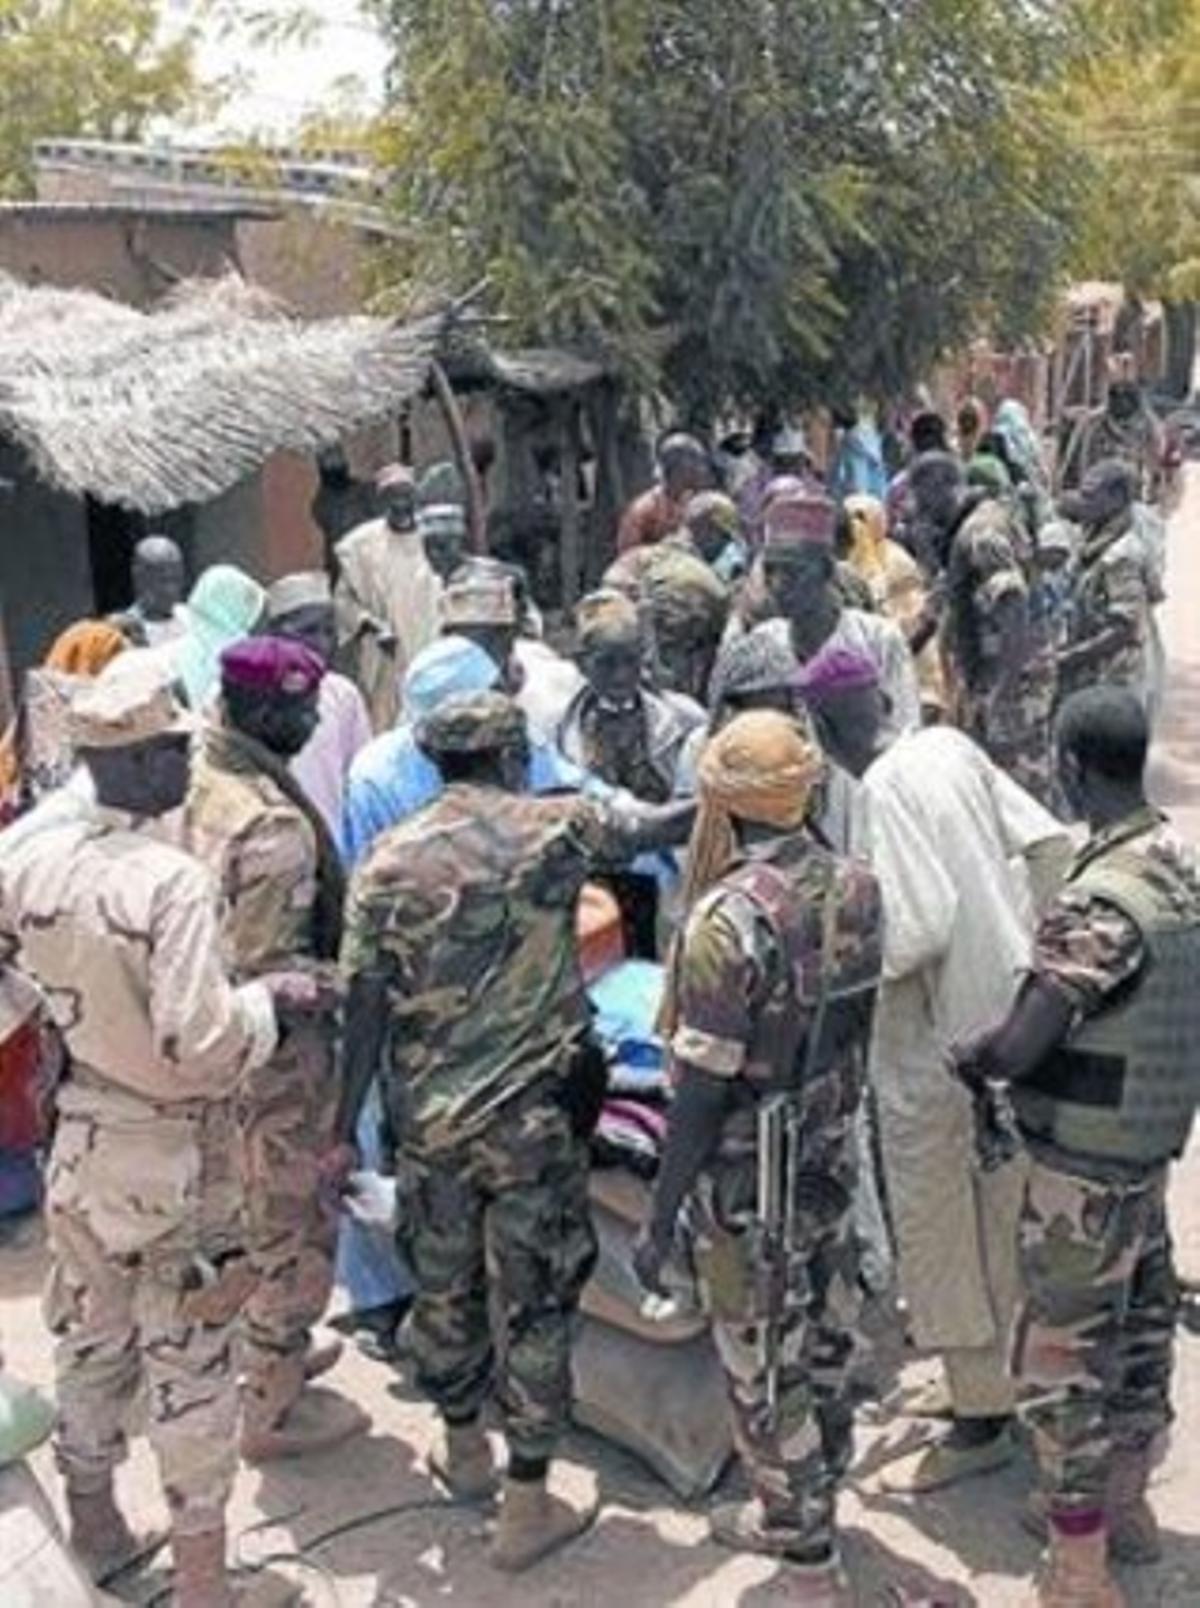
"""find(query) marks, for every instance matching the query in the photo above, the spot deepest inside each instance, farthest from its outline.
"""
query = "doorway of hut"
(113, 533)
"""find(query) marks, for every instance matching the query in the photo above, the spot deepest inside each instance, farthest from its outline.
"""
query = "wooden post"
(461, 447)
(570, 547)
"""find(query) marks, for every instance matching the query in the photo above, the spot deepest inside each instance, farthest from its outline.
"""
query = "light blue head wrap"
(224, 605)
(451, 665)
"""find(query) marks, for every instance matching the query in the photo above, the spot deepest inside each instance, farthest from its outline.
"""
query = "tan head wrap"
(762, 767)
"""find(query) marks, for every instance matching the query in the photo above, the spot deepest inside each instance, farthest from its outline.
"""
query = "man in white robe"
(962, 855)
(386, 596)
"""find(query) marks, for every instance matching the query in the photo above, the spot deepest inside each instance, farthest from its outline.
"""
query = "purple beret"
(272, 664)
(835, 670)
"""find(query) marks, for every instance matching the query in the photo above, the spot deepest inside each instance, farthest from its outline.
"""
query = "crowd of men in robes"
(291, 893)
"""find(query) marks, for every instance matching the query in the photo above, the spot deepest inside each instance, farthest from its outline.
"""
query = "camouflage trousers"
(141, 1199)
(1017, 734)
(796, 1458)
(1093, 1342)
(500, 1230)
(286, 1113)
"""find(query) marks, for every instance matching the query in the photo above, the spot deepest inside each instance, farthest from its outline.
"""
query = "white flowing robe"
(385, 585)
(942, 828)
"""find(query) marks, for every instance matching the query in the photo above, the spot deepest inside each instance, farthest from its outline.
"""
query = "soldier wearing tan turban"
(772, 992)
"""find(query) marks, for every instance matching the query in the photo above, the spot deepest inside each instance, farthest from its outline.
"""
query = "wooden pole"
(461, 447)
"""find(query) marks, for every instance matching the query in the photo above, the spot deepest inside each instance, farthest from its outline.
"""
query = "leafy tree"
(85, 68)
(742, 203)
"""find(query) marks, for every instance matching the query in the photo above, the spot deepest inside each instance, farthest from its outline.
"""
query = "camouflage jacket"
(1085, 945)
(468, 911)
(262, 851)
(789, 922)
(983, 572)
(1111, 589)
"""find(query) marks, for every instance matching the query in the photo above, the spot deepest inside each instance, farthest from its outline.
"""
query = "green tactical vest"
(1126, 1084)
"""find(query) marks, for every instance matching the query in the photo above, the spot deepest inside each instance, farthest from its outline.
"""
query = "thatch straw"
(152, 411)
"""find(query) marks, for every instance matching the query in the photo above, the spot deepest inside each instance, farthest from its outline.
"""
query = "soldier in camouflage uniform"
(1100, 1052)
(999, 656)
(460, 951)
(281, 880)
(772, 994)
(684, 606)
(148, 1270)
(1112, 602)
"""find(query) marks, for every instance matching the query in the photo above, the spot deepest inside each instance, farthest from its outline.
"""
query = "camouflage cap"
(475, 597)
(122, 711)
(473, 723)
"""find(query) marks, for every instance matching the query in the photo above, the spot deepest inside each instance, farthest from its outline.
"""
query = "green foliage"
(1135, 109)
(779, 199)
(84, 68)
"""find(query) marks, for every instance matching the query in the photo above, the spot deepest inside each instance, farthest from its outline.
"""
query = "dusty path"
(648, 1552)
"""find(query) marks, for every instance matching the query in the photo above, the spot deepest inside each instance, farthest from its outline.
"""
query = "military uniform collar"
(1143, 820)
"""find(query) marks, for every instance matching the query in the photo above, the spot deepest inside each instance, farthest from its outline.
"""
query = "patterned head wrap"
(449, 667)
(760, 661)
(473, 723)
(802, 520)
(479, 597)
(302, 590)
(85, 649)
(716, 507)
(763, 767)
(606, 617)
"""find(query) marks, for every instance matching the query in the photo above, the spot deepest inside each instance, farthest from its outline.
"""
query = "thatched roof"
(151, 411)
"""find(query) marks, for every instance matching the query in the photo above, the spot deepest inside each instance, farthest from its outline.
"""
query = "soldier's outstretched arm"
(697, 1114)
(642, 827)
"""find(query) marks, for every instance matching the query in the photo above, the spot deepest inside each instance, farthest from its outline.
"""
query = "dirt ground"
(647, 1551)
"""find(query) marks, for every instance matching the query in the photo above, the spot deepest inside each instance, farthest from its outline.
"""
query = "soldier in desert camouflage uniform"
(148, 1270)
(282, 885)
(460, 942)
(1000, 660)
(772, 994)
(1100, 1051)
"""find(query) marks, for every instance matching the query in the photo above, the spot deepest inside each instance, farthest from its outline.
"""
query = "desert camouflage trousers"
(1093, 1341)
(286, 1112)
(143, 1211)
(796, 1458)
(501, 1224)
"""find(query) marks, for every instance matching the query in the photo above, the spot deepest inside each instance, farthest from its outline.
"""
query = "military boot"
(464, 1463)
(320, 1360)
(283, 1419)
(1133, 1536)
(815, 1575)
(201, 1578)
(100, 1536)
(1076, 1574)
(533, 1524)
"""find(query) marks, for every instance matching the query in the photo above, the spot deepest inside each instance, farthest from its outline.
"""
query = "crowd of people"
(290, 902)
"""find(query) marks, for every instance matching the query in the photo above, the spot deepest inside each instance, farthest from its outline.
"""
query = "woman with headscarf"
(35, 754)
(225, 605)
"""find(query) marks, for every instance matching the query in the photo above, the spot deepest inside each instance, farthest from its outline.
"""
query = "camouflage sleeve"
(1088, 948)
(995, 572)
(718, 978)
(269, 886)
(1125, 592)
(596, 834)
